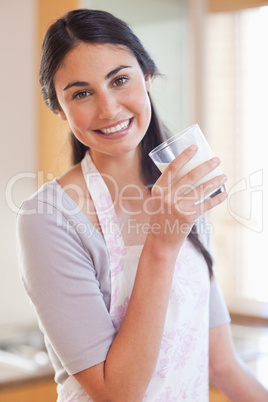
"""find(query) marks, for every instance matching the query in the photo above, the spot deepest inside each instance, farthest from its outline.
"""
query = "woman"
(124, 297)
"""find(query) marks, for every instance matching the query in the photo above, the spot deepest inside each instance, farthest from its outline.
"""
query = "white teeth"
(116, 128)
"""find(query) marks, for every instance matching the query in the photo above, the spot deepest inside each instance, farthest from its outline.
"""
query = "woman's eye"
(81, 95)
(120, 81)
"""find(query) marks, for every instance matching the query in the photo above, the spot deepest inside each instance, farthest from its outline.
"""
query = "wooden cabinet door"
(41, 392)
(217, 396)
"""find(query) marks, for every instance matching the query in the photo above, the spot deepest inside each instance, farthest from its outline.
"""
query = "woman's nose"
(108, 107)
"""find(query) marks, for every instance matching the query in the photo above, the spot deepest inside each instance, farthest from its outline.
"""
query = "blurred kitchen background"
(214, 60)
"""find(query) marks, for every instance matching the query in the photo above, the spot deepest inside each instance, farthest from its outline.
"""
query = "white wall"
(18, 145)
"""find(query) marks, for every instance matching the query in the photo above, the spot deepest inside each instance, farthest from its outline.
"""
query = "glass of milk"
(164, 153)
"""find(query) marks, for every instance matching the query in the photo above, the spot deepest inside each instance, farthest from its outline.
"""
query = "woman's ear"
(61, 115)
(148, 82)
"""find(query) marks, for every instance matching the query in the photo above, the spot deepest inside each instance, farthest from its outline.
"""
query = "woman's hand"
(175, 201)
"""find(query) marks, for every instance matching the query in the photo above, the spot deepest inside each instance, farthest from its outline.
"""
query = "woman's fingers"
(194, 202)
(173, 174)
(182, 196)
(210, 187)
(170, 174)
(193, 177)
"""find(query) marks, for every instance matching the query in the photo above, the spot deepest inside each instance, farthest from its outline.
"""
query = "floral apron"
(181, 373)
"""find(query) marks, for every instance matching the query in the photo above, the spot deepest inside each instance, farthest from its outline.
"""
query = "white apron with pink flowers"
(181, 373)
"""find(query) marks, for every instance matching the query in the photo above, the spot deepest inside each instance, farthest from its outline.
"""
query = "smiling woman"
(112, 101)
(127, 314)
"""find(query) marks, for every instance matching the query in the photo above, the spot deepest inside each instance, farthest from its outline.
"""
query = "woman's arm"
(129, 365)
(228, 373)
(127, 371)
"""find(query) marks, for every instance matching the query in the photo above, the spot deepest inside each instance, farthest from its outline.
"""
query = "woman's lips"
(113, 129)
(116, 131)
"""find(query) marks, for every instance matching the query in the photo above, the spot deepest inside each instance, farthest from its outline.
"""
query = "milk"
(189, 166)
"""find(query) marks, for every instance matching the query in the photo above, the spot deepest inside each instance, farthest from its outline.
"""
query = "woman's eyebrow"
(85, 83)
(76, 84)
(115, 71)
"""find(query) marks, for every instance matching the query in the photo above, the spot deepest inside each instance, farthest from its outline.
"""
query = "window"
(235, 67)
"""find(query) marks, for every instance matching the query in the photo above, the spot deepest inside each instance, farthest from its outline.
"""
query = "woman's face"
(103, 94)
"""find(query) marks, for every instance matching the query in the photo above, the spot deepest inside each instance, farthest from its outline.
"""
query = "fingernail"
(193, 147)
(216, 161)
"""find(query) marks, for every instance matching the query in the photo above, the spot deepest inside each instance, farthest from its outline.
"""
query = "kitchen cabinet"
(44, 391)
(215, 395)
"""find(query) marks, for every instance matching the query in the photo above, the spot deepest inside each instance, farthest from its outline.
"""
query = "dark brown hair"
(93, 26)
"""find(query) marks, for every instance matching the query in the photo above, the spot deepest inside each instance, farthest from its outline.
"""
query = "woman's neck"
(122, 169)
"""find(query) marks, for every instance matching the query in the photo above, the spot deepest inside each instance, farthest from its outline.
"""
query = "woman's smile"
(117, 130)
(103, 94)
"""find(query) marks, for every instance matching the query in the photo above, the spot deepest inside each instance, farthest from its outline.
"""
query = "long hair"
(93, 26)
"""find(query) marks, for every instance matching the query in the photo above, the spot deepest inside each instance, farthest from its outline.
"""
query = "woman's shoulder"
(57, 193)
(50, 215)
(74, 185)
(50, 195)
(48, 203)
(63, 199)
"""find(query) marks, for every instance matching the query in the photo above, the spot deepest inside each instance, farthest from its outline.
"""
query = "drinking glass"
(164, 153)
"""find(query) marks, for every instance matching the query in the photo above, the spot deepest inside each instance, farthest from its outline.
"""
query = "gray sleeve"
(218, 313)
(60, 279)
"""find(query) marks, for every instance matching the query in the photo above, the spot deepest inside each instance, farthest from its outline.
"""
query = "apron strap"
(103, 204)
